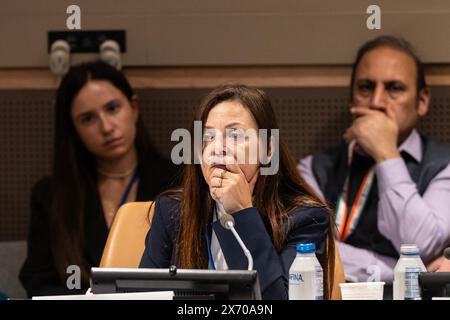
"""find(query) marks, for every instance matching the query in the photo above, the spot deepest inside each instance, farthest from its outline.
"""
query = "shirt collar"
(413, 145)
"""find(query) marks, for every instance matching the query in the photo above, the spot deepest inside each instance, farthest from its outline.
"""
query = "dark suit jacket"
(307, 224)
(38, 274)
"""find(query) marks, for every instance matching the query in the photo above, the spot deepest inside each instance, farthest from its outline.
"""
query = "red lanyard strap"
(346, 221)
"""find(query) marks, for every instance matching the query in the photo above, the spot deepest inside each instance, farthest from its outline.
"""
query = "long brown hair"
(276, 196)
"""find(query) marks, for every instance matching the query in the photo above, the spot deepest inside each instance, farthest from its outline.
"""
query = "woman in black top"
(274, 209)
(102, 159)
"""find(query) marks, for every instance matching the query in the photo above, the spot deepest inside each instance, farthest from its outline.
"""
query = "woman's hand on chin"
(231, 188)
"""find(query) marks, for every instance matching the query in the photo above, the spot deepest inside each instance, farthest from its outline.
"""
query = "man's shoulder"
(435, 147)
(331, 150)
(330, 156)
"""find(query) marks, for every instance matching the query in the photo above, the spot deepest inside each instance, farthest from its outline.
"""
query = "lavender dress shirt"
(403, 215)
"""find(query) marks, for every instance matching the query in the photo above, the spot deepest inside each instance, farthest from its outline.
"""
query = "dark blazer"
(307, 224)
(38, 274)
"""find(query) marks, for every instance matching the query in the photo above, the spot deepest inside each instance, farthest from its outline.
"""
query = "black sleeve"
(38, 274)
(304, 225)
(160, 239)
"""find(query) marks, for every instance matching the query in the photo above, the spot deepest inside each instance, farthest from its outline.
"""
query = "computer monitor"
(186, 284)
(434, 284)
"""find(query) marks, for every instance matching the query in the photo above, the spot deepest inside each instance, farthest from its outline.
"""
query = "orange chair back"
(126, 240)
(339, 276)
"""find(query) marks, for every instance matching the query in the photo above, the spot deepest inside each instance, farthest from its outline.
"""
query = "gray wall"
(232, 32)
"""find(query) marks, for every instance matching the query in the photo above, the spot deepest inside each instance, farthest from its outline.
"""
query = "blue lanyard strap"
(208, 245)
(128, 189)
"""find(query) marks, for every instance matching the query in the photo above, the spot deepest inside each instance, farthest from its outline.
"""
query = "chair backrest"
(126, 240)
(339, 276)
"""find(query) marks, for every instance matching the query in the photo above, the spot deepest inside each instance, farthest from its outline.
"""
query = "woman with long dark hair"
(273, 212)
(102, 159)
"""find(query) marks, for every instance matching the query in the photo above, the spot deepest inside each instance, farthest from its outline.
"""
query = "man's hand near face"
(375, 131)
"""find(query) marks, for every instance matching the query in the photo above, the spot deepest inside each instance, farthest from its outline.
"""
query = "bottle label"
(295, 278)
(319, 283)
(412, 289)
(305, 279)
(299, 285)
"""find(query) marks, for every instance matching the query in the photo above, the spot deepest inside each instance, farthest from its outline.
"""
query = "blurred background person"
(102, 159)
(388, 183)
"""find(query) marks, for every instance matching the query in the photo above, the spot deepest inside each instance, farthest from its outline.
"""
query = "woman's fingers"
(233, 167)
(213, 192)
(218, 173)
(216, 182)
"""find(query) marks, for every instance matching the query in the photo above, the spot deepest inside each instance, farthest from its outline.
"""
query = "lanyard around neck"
(125, 195)
(210, 257)
(346, 221)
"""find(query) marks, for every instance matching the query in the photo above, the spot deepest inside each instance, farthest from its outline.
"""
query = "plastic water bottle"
(406, 273)
(306, 274)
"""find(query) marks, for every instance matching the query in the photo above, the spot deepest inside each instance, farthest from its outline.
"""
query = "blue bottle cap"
(409, 250)
(305, 247)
